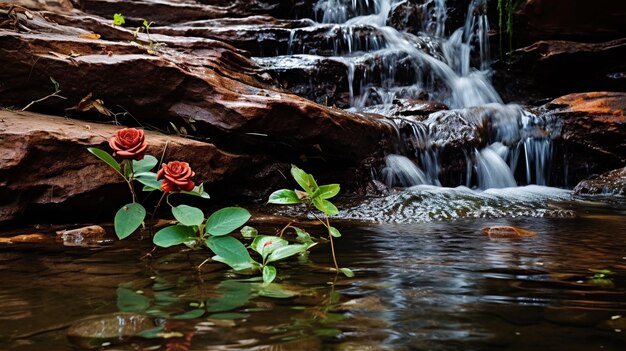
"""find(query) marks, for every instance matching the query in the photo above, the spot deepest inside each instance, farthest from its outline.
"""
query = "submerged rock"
(507, 232)
(84, 236)
(92, 332)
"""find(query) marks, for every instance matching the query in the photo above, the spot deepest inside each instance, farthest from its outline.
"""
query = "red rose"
(128, 143)
(176, 176)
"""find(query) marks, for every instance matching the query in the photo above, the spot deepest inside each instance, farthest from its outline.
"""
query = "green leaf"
(197, 191)
(265, 244)
(174, 235)
(130, 301)
(224, 221)
(234, 294)
(144, 165)
(347, 272)
(128, 219)
(327, 191)
(230, 250)
(284, 197)
(305, 180)
(286, 251)
(334, 232)
(118, 19)
(151, 333)
(325, 206)
(303, 236)
(269, 274)
(108, 159)
(149, 180)
(188, 215)
(197, 313)
(248, 232)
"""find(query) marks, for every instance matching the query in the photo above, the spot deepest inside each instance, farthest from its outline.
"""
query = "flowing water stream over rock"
(502, 145)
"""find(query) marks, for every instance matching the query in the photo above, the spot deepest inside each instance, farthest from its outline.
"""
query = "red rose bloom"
(128, 144)
(176, 176)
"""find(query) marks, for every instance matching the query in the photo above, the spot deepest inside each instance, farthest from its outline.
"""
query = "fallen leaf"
(87, 104)
(90, 36)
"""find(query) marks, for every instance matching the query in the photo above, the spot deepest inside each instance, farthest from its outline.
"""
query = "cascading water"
(453, 70)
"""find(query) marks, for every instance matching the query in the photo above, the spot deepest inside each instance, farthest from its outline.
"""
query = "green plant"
(195, 230)
(506, 9)
(313, 195)
(129, 147)
(118, 19)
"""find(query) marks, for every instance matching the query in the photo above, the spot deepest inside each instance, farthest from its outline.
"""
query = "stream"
(439, 285)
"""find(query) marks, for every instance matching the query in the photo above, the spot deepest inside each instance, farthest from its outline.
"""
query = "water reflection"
(423, 286)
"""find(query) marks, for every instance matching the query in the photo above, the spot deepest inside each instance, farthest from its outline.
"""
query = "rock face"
(581, 21)
(610, 183)
(556, 67)
(84, 67)
(564, 51)
(46, 171)
(593, 131)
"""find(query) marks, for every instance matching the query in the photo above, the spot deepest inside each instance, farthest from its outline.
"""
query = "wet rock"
(94, 331)
(317, 78)
(211, 97)
(545, 19)
(363, 304)
(507, 232)
(412, 109)
(271, 37)
(610, 183)
(85, 236)
(593, 132)
(25, 239)
(48, 5)
(172, 11)
(407, 16)
(45, 169)
(552, 68)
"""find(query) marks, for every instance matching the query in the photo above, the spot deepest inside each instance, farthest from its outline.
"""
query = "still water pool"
(439, 285)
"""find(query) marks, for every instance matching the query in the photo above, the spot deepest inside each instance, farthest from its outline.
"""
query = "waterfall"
(383, 64)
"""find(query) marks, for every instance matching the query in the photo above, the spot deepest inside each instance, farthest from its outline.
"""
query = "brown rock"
(47, 5)
(577, 20)
(25, 238)
(593, 131)
(610, 183)
(84, 236)
(557, 67)
(45, 169)
(507, 232)
(214, 92)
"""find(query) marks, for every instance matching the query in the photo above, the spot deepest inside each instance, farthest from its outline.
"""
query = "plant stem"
(129, 180)
(332, 246)
(282, 231)
(157, 205)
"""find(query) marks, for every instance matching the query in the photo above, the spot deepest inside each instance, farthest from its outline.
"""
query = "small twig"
(282, 231)
(55, 94)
